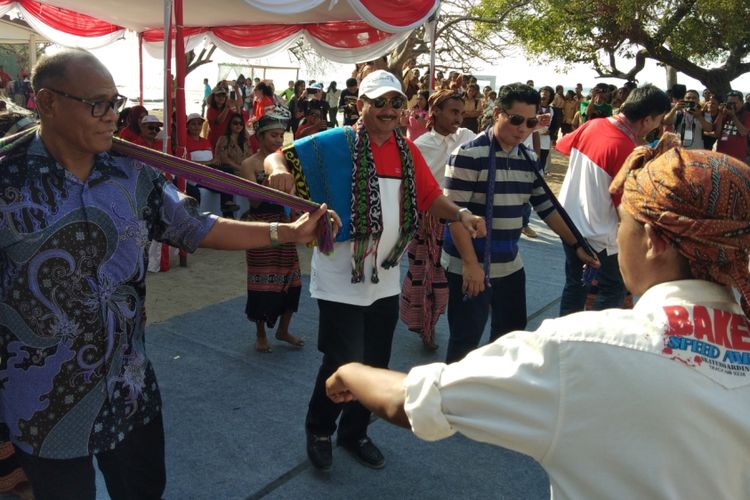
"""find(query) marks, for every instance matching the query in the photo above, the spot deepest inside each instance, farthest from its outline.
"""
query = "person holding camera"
(734, 124)
(687, 119)
(221, 104)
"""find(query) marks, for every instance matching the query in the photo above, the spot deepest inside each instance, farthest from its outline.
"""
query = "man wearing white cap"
(379, 181)
(150, 128)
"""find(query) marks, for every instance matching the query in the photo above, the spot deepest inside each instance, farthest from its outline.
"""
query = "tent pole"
(167, 115)
(32, 50)
(432, 26)
(180, 114)
(140, 68)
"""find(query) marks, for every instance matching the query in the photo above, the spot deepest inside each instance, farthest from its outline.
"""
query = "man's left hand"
(587, 259)
(304, 229)
(474, 224)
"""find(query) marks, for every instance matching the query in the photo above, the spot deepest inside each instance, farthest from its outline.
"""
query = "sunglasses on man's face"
(380, 102)
(154, 128)
(517, 120)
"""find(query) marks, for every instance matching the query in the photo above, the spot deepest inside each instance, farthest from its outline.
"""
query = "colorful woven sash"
(200, 174)
(322, 168)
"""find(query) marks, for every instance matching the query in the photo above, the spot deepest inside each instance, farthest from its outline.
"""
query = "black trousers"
(134, 470)
(348, 333)
(506, 299)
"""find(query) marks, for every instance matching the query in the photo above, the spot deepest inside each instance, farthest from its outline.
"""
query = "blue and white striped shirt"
(515, 185)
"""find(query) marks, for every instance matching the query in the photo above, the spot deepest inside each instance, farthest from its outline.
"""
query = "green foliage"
(682, 33)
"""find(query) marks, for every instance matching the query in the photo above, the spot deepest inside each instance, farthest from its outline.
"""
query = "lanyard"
(489, 206)
(622, 124)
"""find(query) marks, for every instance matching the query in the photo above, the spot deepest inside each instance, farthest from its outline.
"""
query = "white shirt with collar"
(619, 404)
(437, 148)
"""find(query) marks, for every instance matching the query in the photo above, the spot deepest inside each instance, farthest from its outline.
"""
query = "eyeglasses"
(380, 102)
(98, 108)
(154, 128)
(517, 120)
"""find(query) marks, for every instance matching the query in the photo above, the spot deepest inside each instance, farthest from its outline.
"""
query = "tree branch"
(614, 72)
(672, 21)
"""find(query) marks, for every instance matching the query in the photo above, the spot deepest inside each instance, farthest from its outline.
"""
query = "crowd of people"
(447, 175)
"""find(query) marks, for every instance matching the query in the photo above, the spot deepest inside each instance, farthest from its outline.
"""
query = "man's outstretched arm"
(380, 390)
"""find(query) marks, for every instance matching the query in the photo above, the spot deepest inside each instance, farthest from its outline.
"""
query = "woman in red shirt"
(132, 130)
(220, 106)
(263, 101)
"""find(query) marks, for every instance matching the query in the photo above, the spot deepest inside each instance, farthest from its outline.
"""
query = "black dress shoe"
(365, 451)
(319, 450)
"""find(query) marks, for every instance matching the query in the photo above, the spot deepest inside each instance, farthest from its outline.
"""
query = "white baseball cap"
(378, 83)
(151, 119)
(193, 116)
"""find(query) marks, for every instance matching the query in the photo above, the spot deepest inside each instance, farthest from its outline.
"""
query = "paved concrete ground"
(234, 417)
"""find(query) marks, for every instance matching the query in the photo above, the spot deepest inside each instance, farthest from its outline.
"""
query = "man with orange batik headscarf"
(617, 404)
(424, 294)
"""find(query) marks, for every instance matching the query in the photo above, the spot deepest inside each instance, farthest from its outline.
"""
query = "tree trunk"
(671, 75)
(717, 82)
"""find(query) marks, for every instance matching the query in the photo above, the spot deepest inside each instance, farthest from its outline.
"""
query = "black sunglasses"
(98, 108)
(154, 128)
(517, 120)
(380, 102)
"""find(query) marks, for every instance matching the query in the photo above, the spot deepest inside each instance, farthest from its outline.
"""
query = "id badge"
(687, 139)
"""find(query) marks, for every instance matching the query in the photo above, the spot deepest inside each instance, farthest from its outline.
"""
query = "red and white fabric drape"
(345, 31)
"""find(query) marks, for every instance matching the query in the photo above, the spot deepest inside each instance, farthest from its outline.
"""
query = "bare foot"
(429, 344)
(288, 337)
(261, 345)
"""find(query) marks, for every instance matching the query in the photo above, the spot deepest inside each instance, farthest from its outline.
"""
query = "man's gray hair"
(55, 67)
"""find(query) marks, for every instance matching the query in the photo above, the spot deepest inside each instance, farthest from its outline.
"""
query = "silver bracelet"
(274, 233)
(459, 211)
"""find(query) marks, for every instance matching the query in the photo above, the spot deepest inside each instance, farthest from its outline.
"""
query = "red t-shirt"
(216, 130)
(199, 144)
(259, 107)
(128, 134)
(388, 164)
(731, 142)
(603, 143)
(301, 130)
(156, 145)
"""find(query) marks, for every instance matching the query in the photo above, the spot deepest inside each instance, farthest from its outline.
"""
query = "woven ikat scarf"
(367, 211)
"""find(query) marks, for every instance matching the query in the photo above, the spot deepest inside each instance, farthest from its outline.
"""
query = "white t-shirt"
(648, 403)
(437, 148)
(331, 275)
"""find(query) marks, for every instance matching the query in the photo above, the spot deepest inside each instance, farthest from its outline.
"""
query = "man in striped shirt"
(481, 272)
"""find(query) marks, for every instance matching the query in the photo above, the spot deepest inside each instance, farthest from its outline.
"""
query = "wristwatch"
(274, 232)
(459, 211)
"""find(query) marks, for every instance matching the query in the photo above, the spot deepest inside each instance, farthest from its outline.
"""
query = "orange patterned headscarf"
(437, 99)
(700, 202)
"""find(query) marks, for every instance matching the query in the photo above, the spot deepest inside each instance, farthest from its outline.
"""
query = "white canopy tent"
(346, 31)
